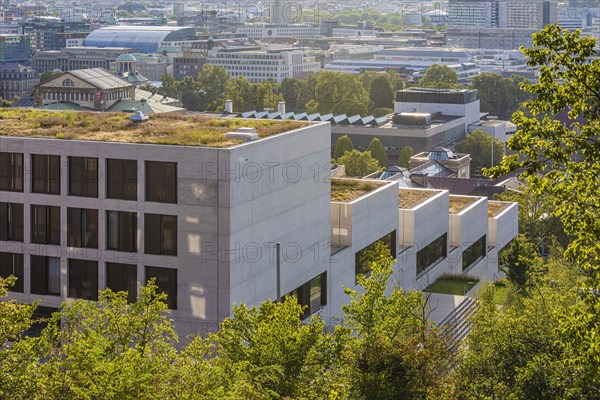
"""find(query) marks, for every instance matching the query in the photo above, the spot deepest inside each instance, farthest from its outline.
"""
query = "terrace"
(495, 208)
(410, 198)
(347, 190)
(167, 129)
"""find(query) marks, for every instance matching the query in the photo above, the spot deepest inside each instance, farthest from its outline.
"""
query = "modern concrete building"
(258, 64)
(206, 218)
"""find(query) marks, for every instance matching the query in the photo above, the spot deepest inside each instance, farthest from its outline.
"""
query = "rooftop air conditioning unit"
(246, 134)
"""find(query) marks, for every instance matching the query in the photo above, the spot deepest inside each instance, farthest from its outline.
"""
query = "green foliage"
(342, 145)
(378, 152)
(338, 93)
(517, 261)
(500, 96)
(14, 318)
(381, 93)
(380, 112)
(479, 145)
(439, 75)
(396, 353)
(405, 154)
(358, 164)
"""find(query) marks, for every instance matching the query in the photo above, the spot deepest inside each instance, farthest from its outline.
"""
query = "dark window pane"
(12, 264)
(160, 233)
(45, 275)
(312, 295)
(11, 222)
(45, 224)
(83, 176)
(432, 253)
(161, 181)
(166, 280)
(83, 279)
(122, 278)
(365, 257)
(54, 233)
(46, 174)
(474, 253)
(82, 228)
(121, 179)
(11, 172)
(121, 231)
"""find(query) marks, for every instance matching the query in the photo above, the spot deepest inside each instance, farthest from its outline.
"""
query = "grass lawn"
(452, 285)
(500, 292)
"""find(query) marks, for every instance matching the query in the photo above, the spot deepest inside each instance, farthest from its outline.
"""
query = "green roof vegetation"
(170, 129)
(457, 285)
(494, 208)
(410, 198)
(458, 203)
(349, 189)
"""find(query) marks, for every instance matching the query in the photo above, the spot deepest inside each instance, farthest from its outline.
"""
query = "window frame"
(12, 172)
(86, 170)
(86, 238)
(171, 299)
(52, 234)
(121, 222)
(43, 169)
(151, 221)
(15, 268)
(12, 218)
(77, 275)
(43, 270)
(156, 178)
(130, 271)
(441, 241)
(113, 167)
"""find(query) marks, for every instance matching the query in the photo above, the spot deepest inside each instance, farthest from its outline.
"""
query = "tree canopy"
(358, 163)
(439, 75)
(479, 145)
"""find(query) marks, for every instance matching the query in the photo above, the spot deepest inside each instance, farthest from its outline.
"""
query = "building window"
(433, 253)
(12, 264)
(11, 172)
(121, 181)
(166, 280)
(83, 279)
(11, 222)
(364, 258)
(312, 296)
(45, 275)
(45, 224)
(46, 174)
(67, 83)
(160, 232)
(161, 182)
(121, 231)
(122, 278)
(82, 228)
(474, 253)
(83, 176)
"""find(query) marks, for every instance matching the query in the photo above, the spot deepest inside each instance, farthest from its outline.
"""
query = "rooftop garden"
(410, 198)
(495, 207)
(458, 203)
(349, 189)
(457, 285)
(171, 129)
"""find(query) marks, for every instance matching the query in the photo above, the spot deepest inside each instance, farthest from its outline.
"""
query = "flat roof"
(459, 203)
(345, 190)
(167, 129)
(410, 198)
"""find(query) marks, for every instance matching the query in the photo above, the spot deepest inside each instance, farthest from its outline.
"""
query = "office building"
(14, 48)
(532, 14)
(78, 57)
(211, 219)
(258, 64)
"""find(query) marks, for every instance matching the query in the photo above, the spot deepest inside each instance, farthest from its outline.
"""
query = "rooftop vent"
(138, 117)
(246, 134)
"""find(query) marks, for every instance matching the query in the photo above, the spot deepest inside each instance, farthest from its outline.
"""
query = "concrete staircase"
(457, 324)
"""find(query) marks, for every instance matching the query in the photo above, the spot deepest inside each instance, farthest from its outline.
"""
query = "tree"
(342, 145)
(405, 154)
(212, 82)
(395, 352)
(378, 152)
(242, 93)
(500, 96)
(380, 93)
(358, 163)
(338, 93)
(479, 145)
(562, 159)
(517, 260)
(15, 318)
(439, 75)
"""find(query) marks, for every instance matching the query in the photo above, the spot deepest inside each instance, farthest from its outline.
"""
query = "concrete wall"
(504, 227)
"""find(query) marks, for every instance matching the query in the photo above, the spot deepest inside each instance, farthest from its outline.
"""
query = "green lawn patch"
(453, 284)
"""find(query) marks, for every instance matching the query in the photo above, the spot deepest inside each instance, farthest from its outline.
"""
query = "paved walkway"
(441, 305)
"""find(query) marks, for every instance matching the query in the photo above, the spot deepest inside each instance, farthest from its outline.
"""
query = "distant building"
(16, 80)
(126, 68)
(78, 57)
(533, 14)
(279, 31)
(100, 90)
(258, 64)
(189, 63)
(460, 164)
(14, 48)
(53, 34)
(490, 38)
(145, 39)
